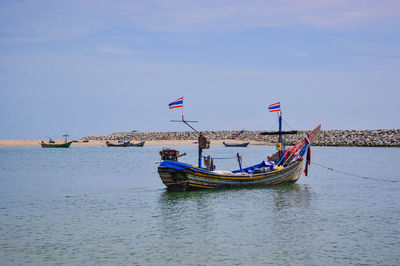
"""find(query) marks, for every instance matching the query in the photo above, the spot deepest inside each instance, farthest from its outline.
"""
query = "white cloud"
(231, 15)
(32, 20)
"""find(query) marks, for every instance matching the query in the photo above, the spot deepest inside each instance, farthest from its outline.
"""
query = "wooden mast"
(65, 136)
(186, 122)
(280, 136)
(280, 133)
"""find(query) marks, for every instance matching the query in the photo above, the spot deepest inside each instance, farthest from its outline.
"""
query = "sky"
(94, 67)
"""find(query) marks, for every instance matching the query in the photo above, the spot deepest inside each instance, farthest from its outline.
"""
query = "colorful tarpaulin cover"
(251, 169)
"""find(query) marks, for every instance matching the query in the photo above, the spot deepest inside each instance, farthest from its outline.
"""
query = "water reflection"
(291, 219)
(291, 195)
(177, 208)
(186, 213)
(284, 196)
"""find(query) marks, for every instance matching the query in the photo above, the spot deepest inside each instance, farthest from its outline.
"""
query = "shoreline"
(342, 138)
(339, 138)
(35, 142)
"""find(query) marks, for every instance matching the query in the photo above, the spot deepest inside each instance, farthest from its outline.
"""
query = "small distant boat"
(140, 144)
(52, 143)
(125, 144)
(244, 144)
(56, 145)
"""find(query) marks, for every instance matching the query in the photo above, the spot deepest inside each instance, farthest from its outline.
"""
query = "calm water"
(107, 206)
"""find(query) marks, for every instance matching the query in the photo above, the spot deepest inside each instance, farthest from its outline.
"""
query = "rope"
(287, 124)
(360, 176)
(287, 159)
(276, 122)
(357, 215)
(105, 192)
(220, 158)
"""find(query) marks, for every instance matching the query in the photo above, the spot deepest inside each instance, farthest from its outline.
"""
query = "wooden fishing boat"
(56, 145)
(287, 168)
(180, 176)
(53, 144)
(109, 144)
(140, 144)
(244, 144)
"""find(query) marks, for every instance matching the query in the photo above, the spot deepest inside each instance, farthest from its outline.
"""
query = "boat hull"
(236, 144)
(140, 144)
(182, 177)
(117, 145)
(54, 145)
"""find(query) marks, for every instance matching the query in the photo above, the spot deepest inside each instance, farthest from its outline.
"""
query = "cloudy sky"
(96, 67)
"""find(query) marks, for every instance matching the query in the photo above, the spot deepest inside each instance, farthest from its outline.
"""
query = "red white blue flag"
(275, 107)
(177, 103)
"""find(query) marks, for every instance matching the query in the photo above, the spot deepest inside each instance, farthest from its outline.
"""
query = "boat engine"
(170, 154)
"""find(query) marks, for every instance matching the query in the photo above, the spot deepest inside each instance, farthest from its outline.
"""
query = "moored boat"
(285, 169)
(53, 144)
(109, 144)
(140, 144)
(244, 144)
(56, 145)
(125, 144)
(181, 176)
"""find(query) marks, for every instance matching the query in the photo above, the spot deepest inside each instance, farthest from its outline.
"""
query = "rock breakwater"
(359, 138)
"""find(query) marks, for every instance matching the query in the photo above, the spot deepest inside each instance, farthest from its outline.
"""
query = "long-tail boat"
(140, 144)
(124, 144)
(287, 168)
(52, 143)
(235, 136)
(244, 144)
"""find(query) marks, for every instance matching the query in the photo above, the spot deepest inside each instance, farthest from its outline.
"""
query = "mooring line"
(351, 174)
(111, 191)
(359, 215)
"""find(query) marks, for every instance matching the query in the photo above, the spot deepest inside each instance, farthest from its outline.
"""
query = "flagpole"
(183, 119)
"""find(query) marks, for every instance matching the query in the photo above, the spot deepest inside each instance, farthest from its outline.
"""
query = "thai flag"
(275, 107)
(177, 103)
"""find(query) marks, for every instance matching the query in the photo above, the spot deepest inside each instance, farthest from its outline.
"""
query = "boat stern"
(173, 175)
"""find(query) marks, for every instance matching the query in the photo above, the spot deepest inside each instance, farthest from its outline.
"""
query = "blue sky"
(96, 67)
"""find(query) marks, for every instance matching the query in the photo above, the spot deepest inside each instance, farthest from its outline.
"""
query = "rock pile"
(364, 138)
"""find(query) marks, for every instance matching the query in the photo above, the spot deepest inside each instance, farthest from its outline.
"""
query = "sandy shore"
(36, 142)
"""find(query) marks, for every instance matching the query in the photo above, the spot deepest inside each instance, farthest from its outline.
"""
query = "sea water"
(108, 206)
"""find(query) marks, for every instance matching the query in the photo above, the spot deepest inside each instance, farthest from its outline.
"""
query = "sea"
(108, 206)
